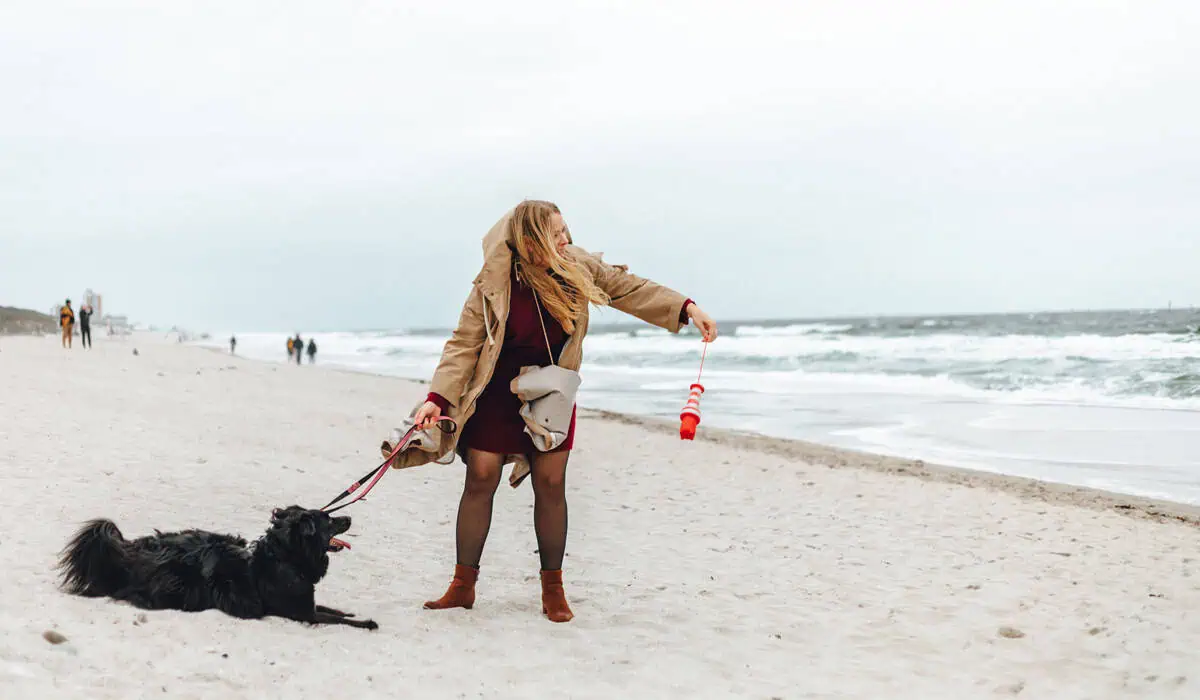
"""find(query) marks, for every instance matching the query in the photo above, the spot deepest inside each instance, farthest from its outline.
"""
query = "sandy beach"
(734, 566)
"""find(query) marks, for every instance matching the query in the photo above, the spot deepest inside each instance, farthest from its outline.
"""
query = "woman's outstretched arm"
(649, 301)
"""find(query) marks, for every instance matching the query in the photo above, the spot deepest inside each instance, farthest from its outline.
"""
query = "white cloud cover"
(318, 165)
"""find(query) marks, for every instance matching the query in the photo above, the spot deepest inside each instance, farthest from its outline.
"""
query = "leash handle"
(446, 425)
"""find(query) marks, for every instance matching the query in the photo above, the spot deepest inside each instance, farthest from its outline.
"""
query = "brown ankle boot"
(554, 600)
(461, 593)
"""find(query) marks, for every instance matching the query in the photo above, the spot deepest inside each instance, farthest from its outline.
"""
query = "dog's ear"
(278, 514)
(308, 525)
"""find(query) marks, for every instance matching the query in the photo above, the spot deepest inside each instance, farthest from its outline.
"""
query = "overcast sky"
(328, 165)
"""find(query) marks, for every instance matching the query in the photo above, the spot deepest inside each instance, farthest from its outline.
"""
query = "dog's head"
(307, 536)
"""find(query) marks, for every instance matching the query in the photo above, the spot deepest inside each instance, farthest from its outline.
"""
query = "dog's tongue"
(340, 544)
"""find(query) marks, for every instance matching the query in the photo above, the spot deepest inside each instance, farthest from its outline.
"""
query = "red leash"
(446, 425)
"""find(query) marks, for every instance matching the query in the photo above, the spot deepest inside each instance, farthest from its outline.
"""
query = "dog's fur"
(197, 570)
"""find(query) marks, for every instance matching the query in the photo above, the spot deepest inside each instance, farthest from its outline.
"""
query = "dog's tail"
(93, 563)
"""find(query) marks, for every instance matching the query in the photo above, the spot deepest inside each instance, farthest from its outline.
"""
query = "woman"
(530, 269)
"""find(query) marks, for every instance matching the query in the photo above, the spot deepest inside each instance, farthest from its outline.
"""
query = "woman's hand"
(704, 322)
(427, 415)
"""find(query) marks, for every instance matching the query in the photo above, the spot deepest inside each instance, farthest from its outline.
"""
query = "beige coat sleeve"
(461, 352)
(639, 297)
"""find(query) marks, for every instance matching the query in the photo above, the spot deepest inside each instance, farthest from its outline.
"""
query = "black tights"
(549, 506)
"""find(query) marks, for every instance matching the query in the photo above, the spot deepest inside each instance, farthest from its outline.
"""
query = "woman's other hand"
(704, 322)
(427, 415)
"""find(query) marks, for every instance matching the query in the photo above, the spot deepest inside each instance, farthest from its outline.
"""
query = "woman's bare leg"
(475, 506)
(474, 521)
(550, 507)
(550, 524)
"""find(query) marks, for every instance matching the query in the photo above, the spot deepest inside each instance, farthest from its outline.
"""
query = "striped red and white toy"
(689, 417)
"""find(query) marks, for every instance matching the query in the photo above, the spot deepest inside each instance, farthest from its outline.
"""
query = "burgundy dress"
(497, 426)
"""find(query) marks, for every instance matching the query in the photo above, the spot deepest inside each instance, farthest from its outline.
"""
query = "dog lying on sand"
(195, 570)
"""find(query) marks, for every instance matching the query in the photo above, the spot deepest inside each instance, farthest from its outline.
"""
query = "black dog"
(197, 570)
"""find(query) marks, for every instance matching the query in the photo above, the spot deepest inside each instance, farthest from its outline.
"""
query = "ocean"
(1106, 399)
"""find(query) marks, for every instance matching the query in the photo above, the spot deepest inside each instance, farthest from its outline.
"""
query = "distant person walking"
(291, 347)
(299, 346)
(233, 345)
(312, 351)
(85, 325)
(66, 319)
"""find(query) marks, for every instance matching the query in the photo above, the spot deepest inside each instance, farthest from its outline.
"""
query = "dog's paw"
(370, 624)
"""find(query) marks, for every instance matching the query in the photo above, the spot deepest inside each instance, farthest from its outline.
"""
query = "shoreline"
(1160, 510)
(817, 454)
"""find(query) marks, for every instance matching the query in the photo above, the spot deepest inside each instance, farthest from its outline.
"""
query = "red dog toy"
(689, 417)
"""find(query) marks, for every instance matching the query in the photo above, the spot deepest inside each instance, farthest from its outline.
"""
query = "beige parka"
(470, 355)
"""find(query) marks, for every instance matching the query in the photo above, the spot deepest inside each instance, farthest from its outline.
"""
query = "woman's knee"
(550, 482)
(483, 477)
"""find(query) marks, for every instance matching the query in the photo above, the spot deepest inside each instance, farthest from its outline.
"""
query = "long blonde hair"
(563, 285)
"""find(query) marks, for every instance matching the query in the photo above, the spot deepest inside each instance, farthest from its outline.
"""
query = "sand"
(734, 566)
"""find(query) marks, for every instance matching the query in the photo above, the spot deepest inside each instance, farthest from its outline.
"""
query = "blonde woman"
(530, 268)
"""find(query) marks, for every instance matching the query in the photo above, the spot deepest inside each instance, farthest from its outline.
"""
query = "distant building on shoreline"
(95, 301)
